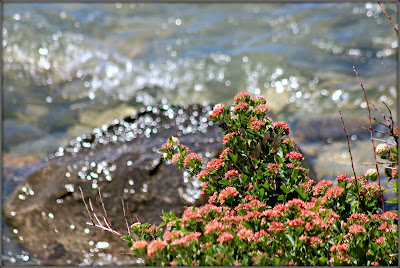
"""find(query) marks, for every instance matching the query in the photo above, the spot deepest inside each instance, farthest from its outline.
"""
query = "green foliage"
(264, 209)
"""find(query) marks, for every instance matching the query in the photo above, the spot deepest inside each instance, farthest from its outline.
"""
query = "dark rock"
(121, 159)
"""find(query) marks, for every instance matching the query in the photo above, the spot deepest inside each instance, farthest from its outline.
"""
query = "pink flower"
(294, 155)
(225, 153)
(191, 157)
(232, 173)
(371, 186)
(228, 191)
(256, 125)
(275, 226)
(270, 213)
(332, 192)
(175, 158)
(356, 229)
(166, 146)
(211, 199)
(386, 227)
(204, 187)
(389, 215)
(245, 234)
(241, 106)
(154, 246)
(173, 263)
(171, 235)
(214, 164)
(296, 204)
(288, 140)
(375, 263)
(214, 225)
(273, 167)
(358, 218)
(139, 244)
(227, 136)
(202, 174)
(321, 187)
(241, 96)
(290, 166)
(282, 126)
(250, 187)
(339, 247)
(218, 109)
(262, 108)
(295, 222)
(186, 239)
(341, 177)
(189, 214)
(225, 237)
(380, 240)
(259, 99)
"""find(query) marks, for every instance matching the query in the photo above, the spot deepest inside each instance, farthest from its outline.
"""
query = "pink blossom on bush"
(213, 198)
(288, 140)
(380, 240)
(259, 99)
(282, 126)
(154, 246)
(356, 229)
(175, 158)
(241, 96)
(321, 187)
(245, 234)
(202, 174)
(360, 218)
(218, 109)
(232, 173)
(228, 191)
(341, 177)
(227, 136)
(214, 164)
(241, 106)
(256, 125)
(191, 157)
(225, 153)
(262, 108)
(186, 239)
(389, 215)
(295, 222)
(294, 155)
(275, 226)
(225, 237)
(334, 191)
(173, 234)
(339, 247)
(139, 244)
(214, 225)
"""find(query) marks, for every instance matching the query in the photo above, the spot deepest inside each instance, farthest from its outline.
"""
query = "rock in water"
(122, 160)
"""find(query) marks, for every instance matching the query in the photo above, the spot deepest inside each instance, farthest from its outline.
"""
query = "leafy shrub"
(263, 209)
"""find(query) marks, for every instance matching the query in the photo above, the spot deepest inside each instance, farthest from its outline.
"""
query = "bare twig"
(384, 12)
(126, 219)
(352, 163)
(92, 216)
(372, 137)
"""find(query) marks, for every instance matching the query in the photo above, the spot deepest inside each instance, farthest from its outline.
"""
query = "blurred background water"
(69, 68)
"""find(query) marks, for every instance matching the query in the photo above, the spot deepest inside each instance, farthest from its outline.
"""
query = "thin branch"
(384, 12)
(352, 162)
(126, 219)
(372, 137)
(87, 209)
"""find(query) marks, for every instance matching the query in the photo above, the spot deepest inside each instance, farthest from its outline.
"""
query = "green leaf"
(224, 182)
(262, 192)
(393, 200)
(290, 239)
(300, 192)
(126, 238)
(234, 157)
(284, 189)
(281, 198)
(280, 152)
(322, 260)
(248, 225)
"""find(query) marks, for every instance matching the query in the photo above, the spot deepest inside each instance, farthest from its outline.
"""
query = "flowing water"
(69, 68)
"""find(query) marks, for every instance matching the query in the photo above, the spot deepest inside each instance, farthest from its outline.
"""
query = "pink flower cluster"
(227, 136)
(241, 96)
(259, 99)
(214, 164)
(214, 225)
(171, 235)
(186, 239)
(294, 155)
(218, 109)
(341, 177)
(276, 226)
(262, 108)
(295, 222)
(245, 234)
(360, 218)
(225, 237)
(232, 173)
(191, 157)
(240, 106)
(356, 229)
(175, 158)
(321, 187)
(228, 191)
(339, 247)
(154, 246)
(139, 244)
(332, 192)
(282, 126)
(202, 174)
(225, 153)
(256, 125)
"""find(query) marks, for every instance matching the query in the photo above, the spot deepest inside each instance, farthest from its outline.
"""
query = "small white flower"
(174, 140)
(381, 148)
(370, 172)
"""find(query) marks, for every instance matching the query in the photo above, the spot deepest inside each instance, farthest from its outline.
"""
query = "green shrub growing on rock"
(263, 209)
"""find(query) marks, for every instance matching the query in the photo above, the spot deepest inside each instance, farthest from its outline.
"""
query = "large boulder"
(122, 159)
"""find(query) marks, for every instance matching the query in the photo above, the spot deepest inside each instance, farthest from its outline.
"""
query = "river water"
(69, 68)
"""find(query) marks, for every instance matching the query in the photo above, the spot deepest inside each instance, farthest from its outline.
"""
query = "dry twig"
(384, 12)
(372, 137)
(352, 162)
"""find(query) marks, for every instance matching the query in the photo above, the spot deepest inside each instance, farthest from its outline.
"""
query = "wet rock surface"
(47, 211)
